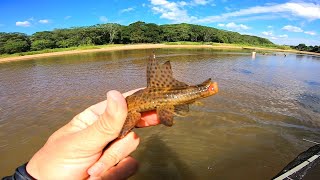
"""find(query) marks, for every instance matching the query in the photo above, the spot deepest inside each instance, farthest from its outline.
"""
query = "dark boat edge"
(305, 166)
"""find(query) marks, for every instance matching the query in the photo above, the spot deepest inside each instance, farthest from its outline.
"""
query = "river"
(266, 109)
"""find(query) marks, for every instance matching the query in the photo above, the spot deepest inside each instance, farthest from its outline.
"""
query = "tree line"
(138, 32)
(303, 47)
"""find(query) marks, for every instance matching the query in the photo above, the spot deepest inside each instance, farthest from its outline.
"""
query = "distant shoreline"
(145, 46)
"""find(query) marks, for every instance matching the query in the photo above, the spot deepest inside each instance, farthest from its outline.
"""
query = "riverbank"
(146, 46)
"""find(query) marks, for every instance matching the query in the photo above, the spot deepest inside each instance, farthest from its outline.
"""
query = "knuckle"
(105, 126)
(113, 157)
(136, 141)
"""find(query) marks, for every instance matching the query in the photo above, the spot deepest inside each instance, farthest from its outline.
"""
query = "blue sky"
(283, 22)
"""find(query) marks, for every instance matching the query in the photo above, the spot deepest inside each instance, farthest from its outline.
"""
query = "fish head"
(208, 88)
(213, 88)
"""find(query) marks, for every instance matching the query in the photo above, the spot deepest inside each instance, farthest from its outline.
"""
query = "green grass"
(167, 43)
(186, 43)
(60, 50)
(228, 44)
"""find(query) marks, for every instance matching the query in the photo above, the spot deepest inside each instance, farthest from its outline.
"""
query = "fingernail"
(112, 104)
(96, 169)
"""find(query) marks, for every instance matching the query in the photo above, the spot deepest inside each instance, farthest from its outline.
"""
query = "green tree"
(112, 30)
(301, 47)
(15, 46)
(43, 40)
(137, 30)
(42, 44)
(14, 43)
(152, 33)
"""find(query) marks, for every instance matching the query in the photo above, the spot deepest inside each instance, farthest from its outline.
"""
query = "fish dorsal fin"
(160, 76)
(151, 68)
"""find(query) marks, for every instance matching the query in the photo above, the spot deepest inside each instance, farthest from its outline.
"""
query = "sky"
(281, 21)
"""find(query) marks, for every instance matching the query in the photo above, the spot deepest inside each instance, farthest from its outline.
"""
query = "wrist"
(20, 174)
(31, 170)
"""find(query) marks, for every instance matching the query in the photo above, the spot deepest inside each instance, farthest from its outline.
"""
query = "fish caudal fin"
(165, 115)
(131, 121)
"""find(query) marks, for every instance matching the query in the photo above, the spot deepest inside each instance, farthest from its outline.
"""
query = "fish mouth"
(213, 88)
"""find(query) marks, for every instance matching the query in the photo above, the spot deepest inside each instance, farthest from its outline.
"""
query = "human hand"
(86, 146)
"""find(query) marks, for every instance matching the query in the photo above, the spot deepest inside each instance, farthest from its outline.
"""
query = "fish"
(164, 94)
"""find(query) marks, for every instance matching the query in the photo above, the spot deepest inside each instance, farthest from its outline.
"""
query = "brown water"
(251, 129)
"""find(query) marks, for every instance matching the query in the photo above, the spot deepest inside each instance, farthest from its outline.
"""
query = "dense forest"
(303, 47)
(111, 33)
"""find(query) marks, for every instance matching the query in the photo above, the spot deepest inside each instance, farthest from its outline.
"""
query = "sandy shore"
(141, 46)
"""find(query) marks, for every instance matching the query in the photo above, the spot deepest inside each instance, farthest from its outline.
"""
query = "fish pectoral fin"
(132, 119)
(181, 110)
(198, 103)
(165, 115)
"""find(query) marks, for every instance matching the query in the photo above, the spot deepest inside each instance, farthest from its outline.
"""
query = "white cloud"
(267, 33)
(182, 3)
(227, 8)
(23, 23)
(201, 2)
(235, 26)
(310, 33)
(171, 10)
(270, 26)
(103, 19)
(127, 10)
(292, 28)
(309, 11)
(298, 29)
(283, 36)
(44, 21)
(305, 10)
(176, 11)
(67, 17)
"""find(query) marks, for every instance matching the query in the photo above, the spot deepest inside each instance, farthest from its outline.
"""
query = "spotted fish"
(164, 94)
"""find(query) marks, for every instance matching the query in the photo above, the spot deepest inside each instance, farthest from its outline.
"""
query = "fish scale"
(164, 94)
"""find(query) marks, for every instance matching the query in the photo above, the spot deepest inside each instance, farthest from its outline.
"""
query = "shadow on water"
(243, 71)
(310, 101)
(312, 83)
(158, 161)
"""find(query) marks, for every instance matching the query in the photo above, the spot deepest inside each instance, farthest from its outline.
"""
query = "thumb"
(108, 125)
